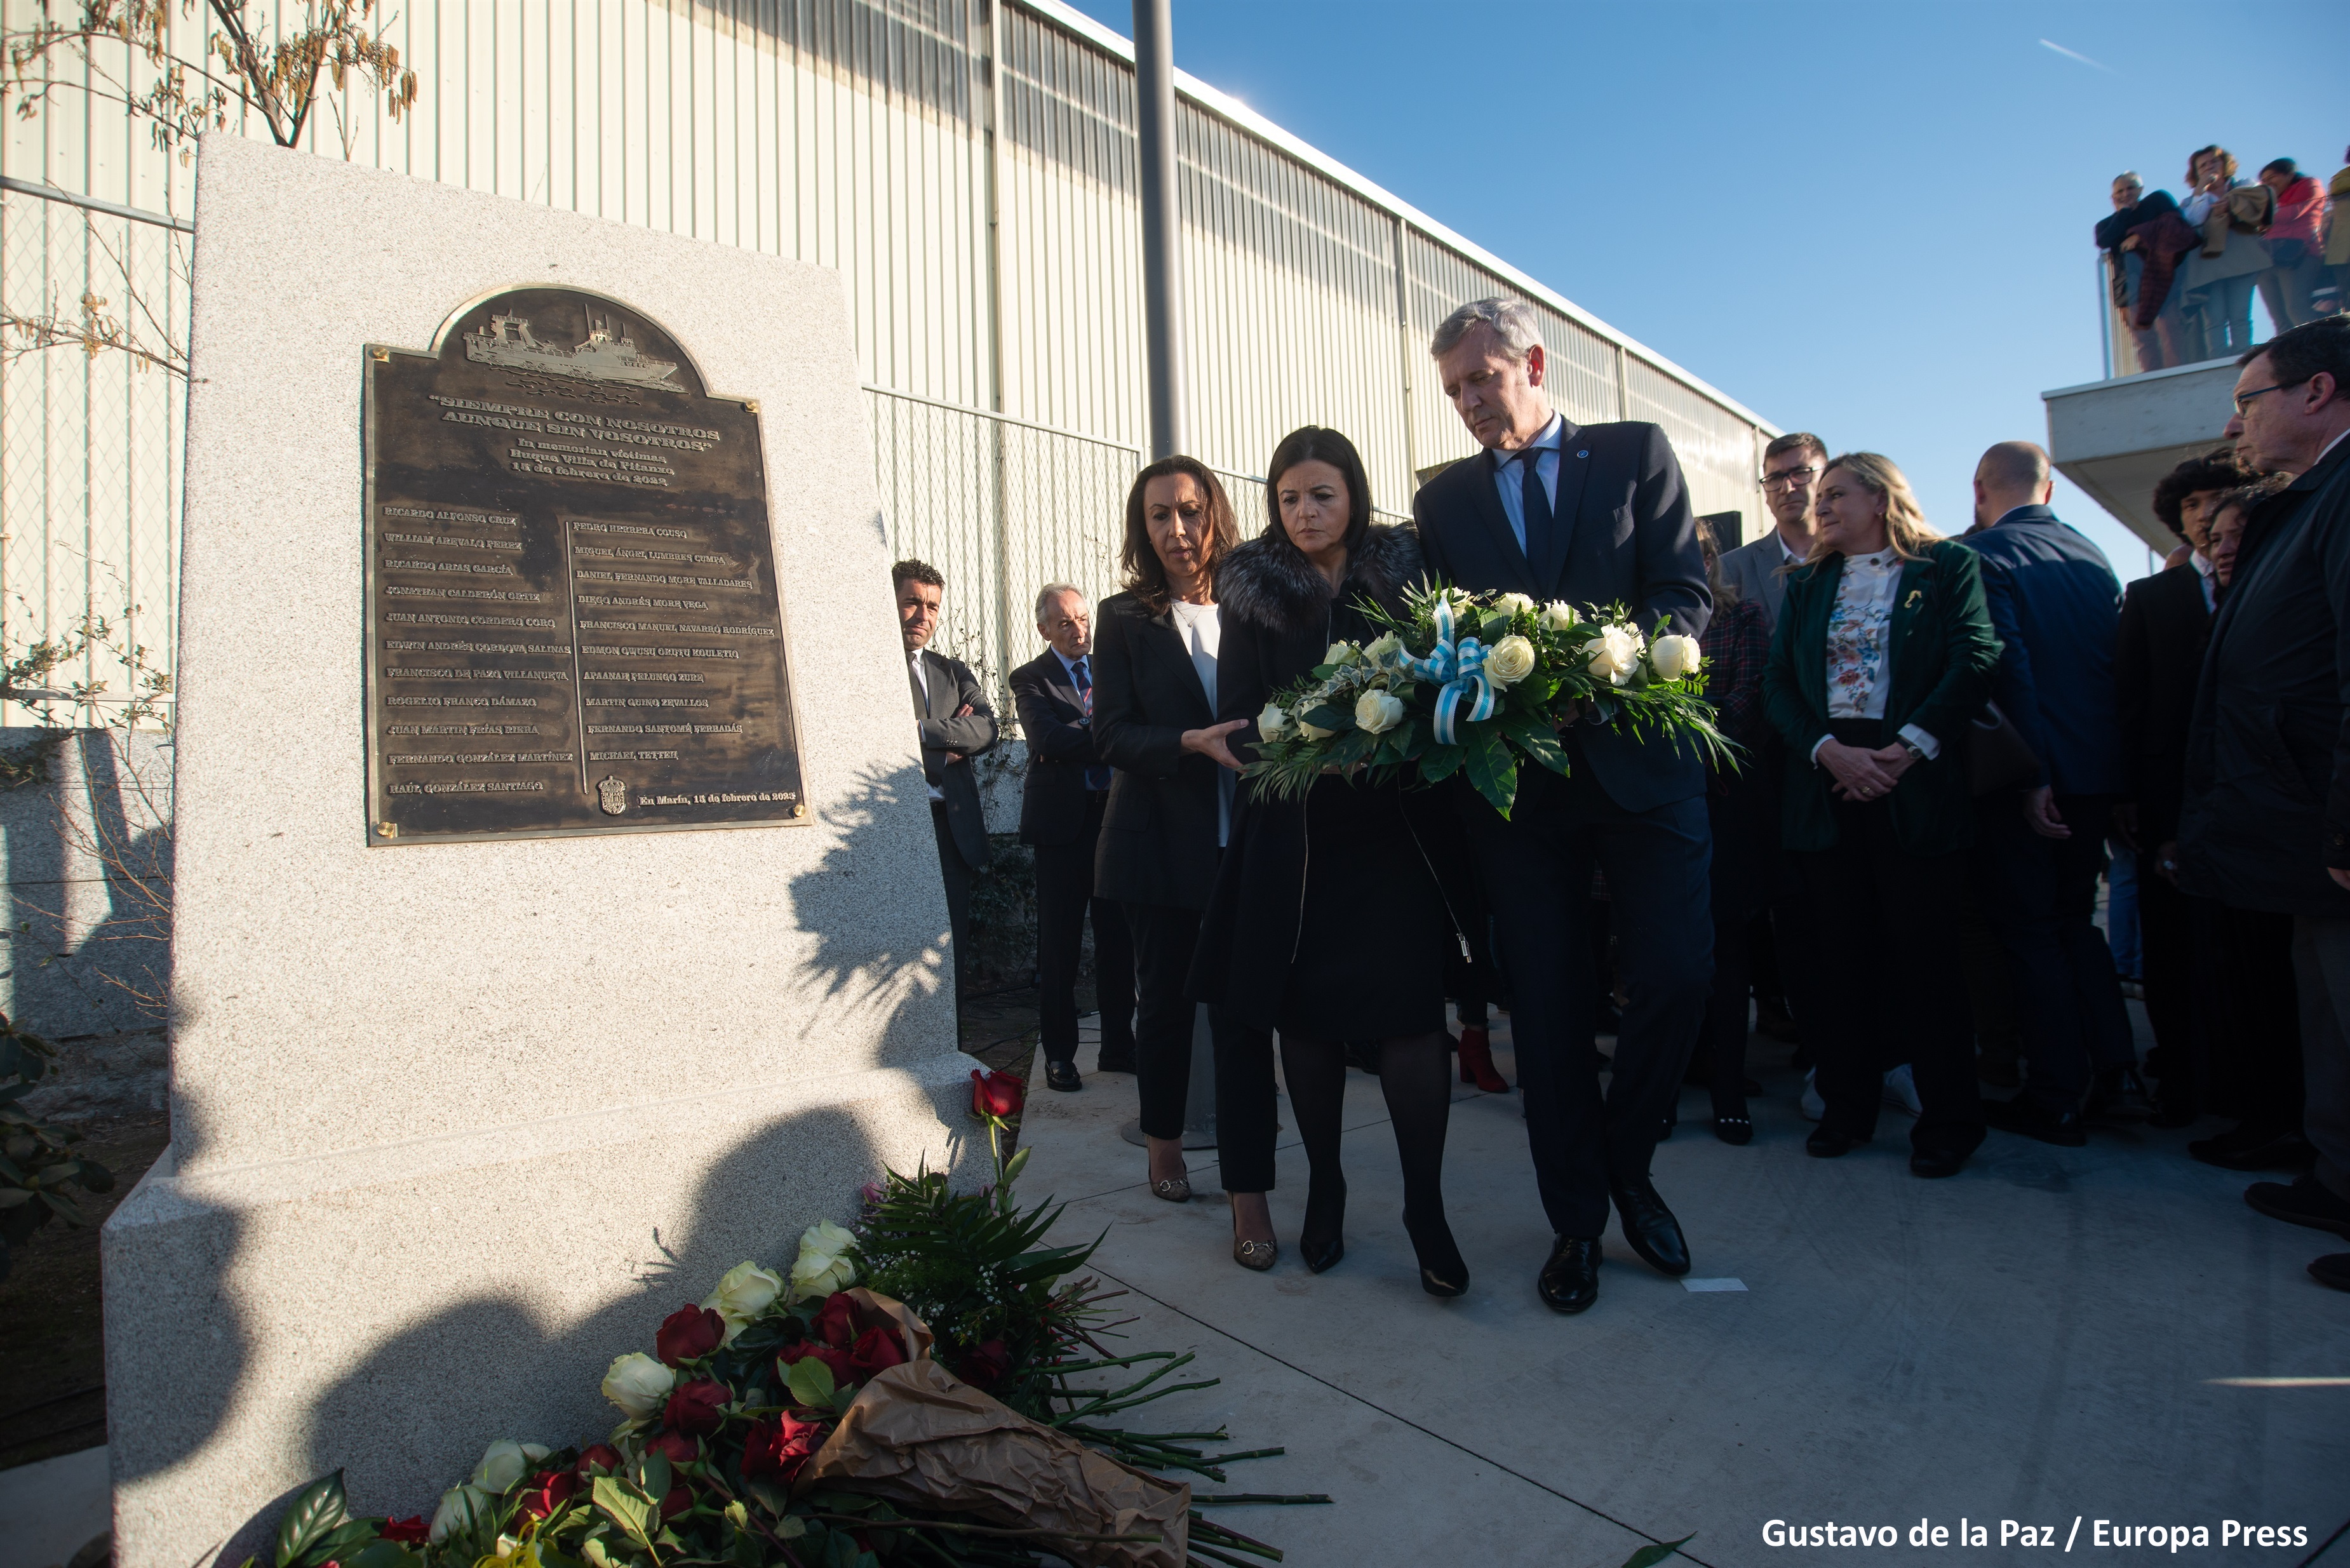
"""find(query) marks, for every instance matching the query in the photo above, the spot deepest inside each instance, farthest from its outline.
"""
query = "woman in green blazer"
(1883, 654)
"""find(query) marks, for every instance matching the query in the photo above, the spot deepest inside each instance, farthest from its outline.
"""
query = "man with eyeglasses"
(2266, 823)
(1792, 467)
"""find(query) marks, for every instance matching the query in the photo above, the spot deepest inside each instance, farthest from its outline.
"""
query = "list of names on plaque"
(573, 620)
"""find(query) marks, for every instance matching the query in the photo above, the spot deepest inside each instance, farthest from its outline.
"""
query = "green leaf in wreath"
(653, 1474)
(384, 1554)
(1492, 767)
(1494, 628)
(316, 1512)
(1440, 762)
(1322, 716)
(1650, 1556)
(339, 1542)
(811, 1383)
(1537, 740)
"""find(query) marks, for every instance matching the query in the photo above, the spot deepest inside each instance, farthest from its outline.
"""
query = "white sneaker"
(1814, 1107)
(1902, 1091)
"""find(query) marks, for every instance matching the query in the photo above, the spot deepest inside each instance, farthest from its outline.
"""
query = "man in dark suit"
(2166, 624)
(2266, 823)
(2056, 605)
(956, 724)
(1595, 516)
(1061, 810)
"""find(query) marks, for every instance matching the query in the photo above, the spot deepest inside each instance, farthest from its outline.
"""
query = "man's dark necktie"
(1098, 774)
(1537, 506)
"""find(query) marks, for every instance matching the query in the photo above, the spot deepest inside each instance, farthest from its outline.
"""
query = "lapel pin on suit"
(1911, 602)
(1584, 454)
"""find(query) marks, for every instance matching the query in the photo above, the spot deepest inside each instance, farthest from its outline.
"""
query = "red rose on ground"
(602, 1457)
(780, 1448)
(997, 1095)
(546, 1491)
(984, 1365)
(677, 1500)
(843, 1369)
(876, 1350)
(675, 1446)
(697, 1407)
(689, 1334)
(407, 1532)
(836, 1323)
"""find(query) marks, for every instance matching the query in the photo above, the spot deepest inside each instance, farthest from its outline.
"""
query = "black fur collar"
(1266, 582)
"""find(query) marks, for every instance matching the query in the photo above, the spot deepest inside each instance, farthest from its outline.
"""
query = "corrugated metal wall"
(878, 137)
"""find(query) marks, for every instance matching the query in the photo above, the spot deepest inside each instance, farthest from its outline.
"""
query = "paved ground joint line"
(1406, 1420)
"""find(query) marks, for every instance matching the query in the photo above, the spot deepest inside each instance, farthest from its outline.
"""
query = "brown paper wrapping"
(918, 1435)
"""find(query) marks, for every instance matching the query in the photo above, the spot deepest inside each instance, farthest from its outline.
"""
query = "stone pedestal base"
(391, 1311)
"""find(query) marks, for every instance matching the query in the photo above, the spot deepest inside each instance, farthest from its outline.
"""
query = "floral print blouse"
(1857, 643)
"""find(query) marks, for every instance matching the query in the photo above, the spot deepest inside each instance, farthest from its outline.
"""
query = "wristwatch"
(1916, 753)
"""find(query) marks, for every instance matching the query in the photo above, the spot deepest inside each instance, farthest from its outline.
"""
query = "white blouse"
(1861, 646)
(1201, 629)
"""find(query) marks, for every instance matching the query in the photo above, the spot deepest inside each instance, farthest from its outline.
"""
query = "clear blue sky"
(1870, 220)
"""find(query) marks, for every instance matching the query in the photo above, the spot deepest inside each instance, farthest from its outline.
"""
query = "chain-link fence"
(1000, 507)
(92, 408)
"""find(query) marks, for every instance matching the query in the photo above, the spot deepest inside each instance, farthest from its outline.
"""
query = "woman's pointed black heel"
(1442, 1270)
(1322, 1240)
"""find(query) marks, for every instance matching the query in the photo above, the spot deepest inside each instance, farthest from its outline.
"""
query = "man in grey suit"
(956, 725)
(1792, 467)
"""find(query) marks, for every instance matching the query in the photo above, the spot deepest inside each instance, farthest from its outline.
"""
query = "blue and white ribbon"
(1458, 668)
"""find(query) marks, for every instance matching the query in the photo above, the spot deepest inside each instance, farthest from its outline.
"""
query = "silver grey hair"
(1513, 322)
(1051, 591)
(2129, 177)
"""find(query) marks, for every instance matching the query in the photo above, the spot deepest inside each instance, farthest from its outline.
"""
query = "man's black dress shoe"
(2021, 1115)
(1936, 1163)
(1063, 1075)
(2255, 1149)
(1651, 1229)
(2333, 1269)
(1827, 1143)
(1570, 1282)
(2304, 1201)
(1115, 1061)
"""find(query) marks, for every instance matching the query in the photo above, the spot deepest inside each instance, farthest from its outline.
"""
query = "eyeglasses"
(2244, 398)
(1790, 478)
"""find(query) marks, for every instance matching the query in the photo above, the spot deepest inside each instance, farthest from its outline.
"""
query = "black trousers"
(2068, 1001)
(1064, 894)
(1163, 939)
(1536, 869)
(1901, 994)
(2179, 936)
(956, 872)
(2257, 1065)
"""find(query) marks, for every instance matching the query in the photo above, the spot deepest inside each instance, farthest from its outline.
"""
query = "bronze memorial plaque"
(573, 622)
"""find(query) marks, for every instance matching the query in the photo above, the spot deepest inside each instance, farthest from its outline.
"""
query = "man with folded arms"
(2266, 823)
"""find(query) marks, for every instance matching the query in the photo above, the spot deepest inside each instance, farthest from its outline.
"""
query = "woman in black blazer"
(1882, 658)
(1169, 805)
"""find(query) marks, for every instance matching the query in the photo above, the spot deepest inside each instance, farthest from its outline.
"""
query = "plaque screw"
(750, 405)
(799, 809)
(387, 829)
(383, 355)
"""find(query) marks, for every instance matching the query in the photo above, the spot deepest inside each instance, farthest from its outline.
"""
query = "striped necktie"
(1097, 774)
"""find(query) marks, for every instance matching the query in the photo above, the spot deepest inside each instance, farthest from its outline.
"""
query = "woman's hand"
(1896, 760)
(1210, 744)
(1858, 775)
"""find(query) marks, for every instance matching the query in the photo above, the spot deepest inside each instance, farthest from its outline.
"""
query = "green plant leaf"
(628, 1508)
(316, 1510)
(1440, 762)
(384, 1554)
(344, 1538)
(811, 1383)
(1322, 716)
(1491, 767)
(1650, 1556)
(1013, 1166)
(655, 1478)
(1537, 740)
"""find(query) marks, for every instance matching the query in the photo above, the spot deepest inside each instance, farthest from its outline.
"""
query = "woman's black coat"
(1279, 618)
(1158, 843)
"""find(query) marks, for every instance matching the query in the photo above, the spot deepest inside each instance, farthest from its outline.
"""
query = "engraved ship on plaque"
(607, 354)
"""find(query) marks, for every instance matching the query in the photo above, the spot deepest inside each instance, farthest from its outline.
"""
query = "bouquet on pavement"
(1461, 681)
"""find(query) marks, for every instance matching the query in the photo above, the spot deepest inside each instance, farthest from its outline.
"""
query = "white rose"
(1511, 660)
(1378, 712)
(746, 1291)
(1513, 604)
(461, 1508)
(1274, 723)
(638, 1384)
(1558, 614)
(822, 1268)
(1676, 656)
(1614, 653)
(1339, 653)
(1387, 652)
(506, 1461)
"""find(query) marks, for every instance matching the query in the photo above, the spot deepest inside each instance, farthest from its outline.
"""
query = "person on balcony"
(2296, 250)
(2219, 277)
(2134, 277)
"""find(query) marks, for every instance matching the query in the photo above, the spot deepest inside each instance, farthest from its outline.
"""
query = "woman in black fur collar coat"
(1327, 922)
